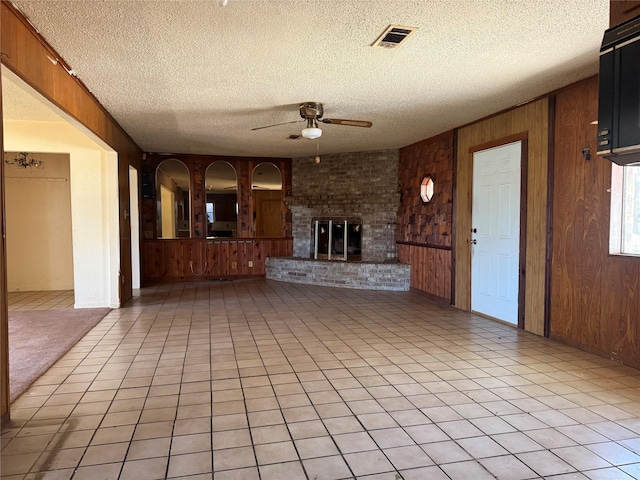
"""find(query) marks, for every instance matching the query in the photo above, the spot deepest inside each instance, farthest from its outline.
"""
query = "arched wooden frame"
(221, 199)
(173, 179)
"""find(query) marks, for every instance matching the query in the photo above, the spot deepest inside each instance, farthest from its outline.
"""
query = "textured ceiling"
(20, 103)
(195, 77)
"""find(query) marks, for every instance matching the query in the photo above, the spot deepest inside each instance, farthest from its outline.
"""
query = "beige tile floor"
(43, 300)
(274, 381)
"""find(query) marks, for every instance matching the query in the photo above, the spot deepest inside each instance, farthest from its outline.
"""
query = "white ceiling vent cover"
(394, 36)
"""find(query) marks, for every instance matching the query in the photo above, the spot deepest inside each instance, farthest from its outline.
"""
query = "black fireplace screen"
(336, 239)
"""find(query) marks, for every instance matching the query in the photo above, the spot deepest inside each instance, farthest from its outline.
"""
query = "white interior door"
(495, 257)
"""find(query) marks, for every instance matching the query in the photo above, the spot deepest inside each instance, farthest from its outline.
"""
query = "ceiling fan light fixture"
(311, 133)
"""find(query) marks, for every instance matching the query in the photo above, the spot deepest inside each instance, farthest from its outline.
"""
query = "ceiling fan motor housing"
(309, 110)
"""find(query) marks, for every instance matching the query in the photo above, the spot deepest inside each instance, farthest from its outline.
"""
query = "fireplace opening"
(336, 239)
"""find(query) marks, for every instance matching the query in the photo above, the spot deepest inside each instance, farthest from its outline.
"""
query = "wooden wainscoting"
(198, 259)
(430, 267)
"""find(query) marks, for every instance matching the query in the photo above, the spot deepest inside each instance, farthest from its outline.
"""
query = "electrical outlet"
(250, 263)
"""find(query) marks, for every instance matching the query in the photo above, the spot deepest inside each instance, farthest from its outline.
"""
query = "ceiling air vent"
(394, 36)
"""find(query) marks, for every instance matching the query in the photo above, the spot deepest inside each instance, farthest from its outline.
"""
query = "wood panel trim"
(551, 184)
(425, 245)
(522, 260)
(454, 210)
(498, 142)
(29, 26)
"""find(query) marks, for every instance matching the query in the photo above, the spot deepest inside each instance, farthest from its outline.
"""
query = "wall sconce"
(22, 161)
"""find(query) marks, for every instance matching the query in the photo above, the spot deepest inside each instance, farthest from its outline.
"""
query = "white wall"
(38, 219)
(135, 227)
(94, 204)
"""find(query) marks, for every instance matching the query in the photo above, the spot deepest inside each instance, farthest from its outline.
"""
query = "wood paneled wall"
(430, 268)
(200, 259)
(622, 10)
(594, 296)
(28, 55)
(169, 260)
(268, 220)
(197, 165)
(426, 223)
(531, 120)
(424, 230)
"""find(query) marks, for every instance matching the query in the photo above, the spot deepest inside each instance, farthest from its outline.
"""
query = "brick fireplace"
(344, 223)
(361, 186)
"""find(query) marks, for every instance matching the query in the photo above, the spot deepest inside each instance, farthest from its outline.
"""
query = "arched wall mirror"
(266, 186)
(173, 194)
(221, 193)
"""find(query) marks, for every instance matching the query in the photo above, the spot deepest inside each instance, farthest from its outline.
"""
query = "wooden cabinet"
(622, 10)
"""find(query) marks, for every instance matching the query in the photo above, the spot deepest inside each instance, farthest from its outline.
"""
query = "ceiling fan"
(312, 112)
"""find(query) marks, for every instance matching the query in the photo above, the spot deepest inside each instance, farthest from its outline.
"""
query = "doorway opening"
(497, 244)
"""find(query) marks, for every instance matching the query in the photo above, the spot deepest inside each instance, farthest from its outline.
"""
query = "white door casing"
(495, 244)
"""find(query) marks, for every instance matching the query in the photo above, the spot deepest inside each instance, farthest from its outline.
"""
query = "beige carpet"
(38, 338)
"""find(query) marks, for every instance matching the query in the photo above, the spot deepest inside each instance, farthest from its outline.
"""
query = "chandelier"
(22, 161)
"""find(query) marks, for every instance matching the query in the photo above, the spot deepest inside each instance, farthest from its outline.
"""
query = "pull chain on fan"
(317, 159)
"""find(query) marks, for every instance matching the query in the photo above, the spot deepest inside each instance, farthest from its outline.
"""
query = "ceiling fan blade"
(351, 123)
(277, 125)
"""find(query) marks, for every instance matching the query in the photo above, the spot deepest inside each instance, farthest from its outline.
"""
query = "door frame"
(524, 167)
(134, 226)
